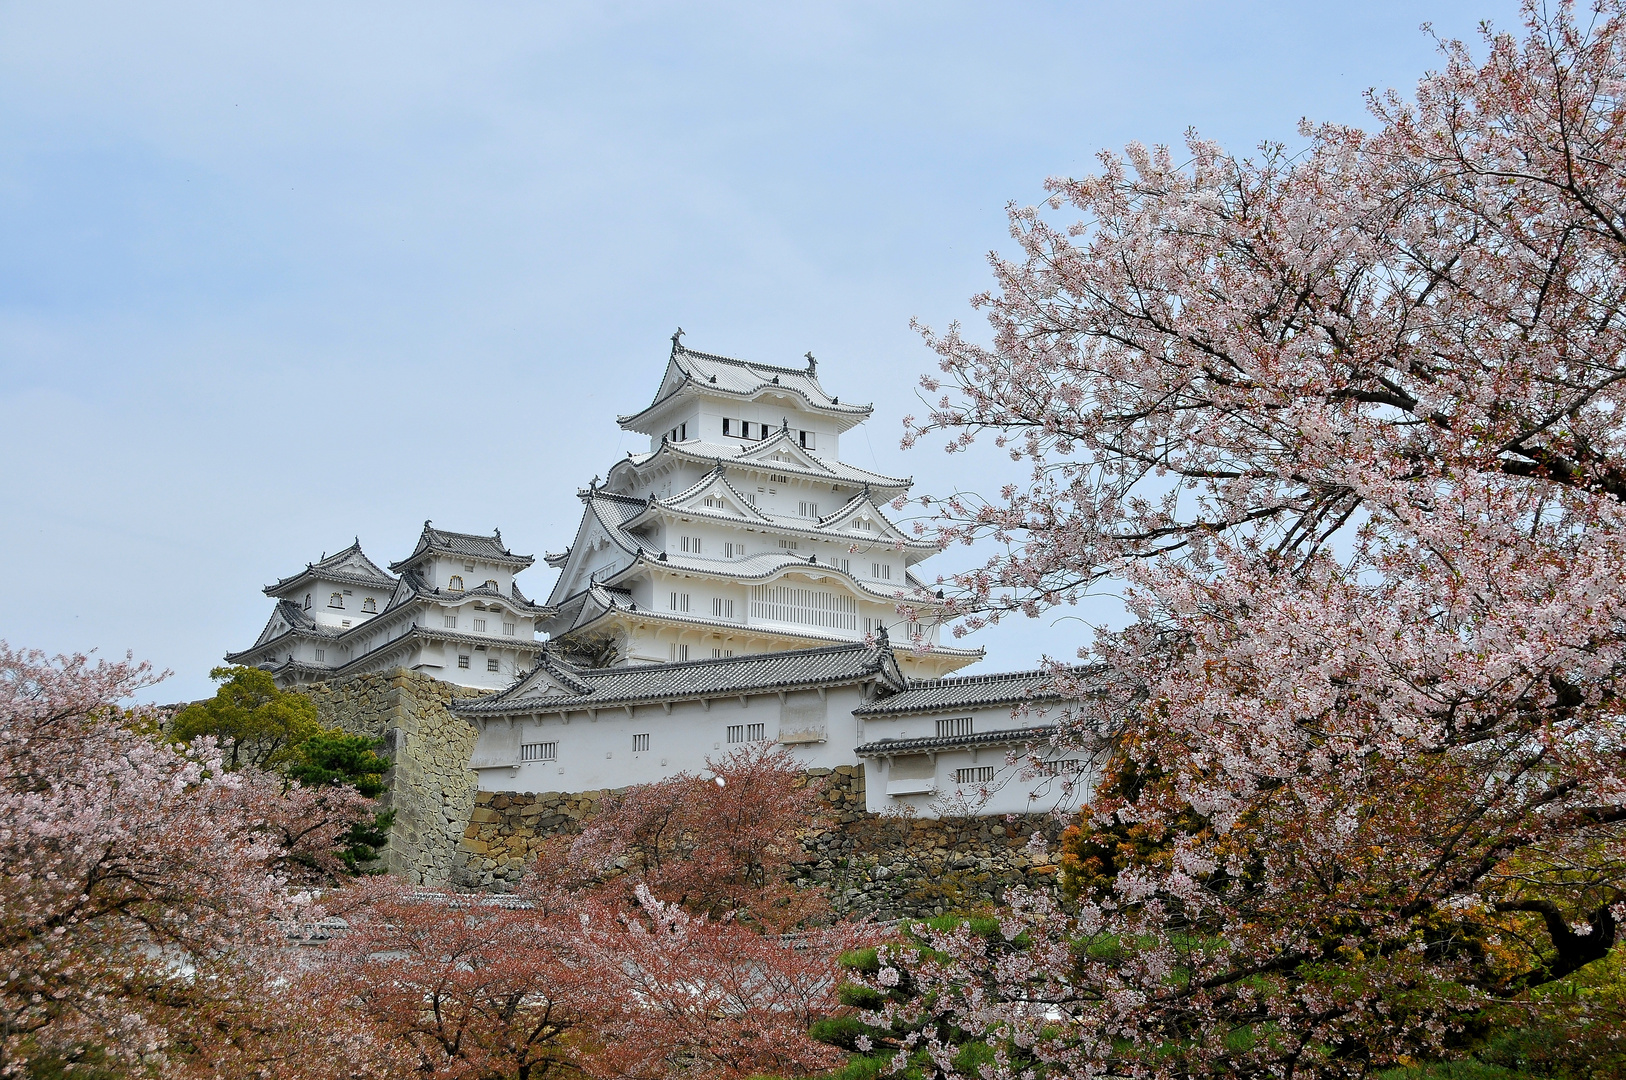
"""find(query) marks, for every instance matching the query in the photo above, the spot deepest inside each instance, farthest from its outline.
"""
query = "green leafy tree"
(334, 757)
(255, 723)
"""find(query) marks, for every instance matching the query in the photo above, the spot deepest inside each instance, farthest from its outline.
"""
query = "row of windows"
(738, 733)
(368, 604)
(954, 728)
(681, 432)
(463, 662)
(981, 774)
(689, 544)
(539, 751)
(749, 429)
(455, 584)
(508, 628)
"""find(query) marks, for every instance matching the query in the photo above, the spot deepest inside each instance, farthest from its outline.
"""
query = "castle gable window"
(491, 583)
(336, 600)
(456, 583)
(370, 605)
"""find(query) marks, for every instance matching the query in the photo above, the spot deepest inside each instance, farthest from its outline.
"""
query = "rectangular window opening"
(463, 660)
(640, 742)
(954, 728)
(981, 774)
(539, 751)
(491, 664)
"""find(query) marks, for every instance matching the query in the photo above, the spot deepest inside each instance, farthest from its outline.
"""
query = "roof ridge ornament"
(812, 364)
(784, 422)
(677, 343)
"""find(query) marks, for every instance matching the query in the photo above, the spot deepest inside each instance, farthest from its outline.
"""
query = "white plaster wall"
(597, 752)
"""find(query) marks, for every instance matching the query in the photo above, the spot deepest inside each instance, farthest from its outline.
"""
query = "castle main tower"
(742, 531)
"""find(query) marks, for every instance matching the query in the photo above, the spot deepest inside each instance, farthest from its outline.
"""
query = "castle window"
(479, 626)
(863, 525)
(468, 568)
(752, 499)
(321, 655)
(809, 509)
(727, 424)
(789, 545)
(679, 653)
(807, 440)
(1069, 767)
(722, 607)
(745, 429)
(335, 601)
(721, 654)
(539, 751)
(883, 571)
(640, 742)
(369, 605)
(913, 629)
(491, 583)
(680, 601)
(510, 629)
(491, 664)
(450, 621)
(456, 583)
(463, 660)
(690, 544)
(812, 607)
(981, 775)
(733, 551)
(953, 729)
(776, 478)
(307, 601)
(738, 733)
(844, 565)
(347, 592)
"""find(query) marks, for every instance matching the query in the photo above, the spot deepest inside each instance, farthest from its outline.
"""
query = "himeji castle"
(742, 531)
(454, 612)
(736, 583)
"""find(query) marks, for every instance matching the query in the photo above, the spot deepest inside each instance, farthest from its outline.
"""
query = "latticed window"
(981, 774)
(369, 605)
(954, 728)
(809, 607)
(450, 621)
(680, 601)
(640, 742)
(491, 583)
(336, 600)
(690, 544)
(479, 626)
(738, 733)
(679, 652)
(722, 607)
(463, 660)
(491, 663)
(1068, 767)
(539, 751)
(510, 629)
(456, 584)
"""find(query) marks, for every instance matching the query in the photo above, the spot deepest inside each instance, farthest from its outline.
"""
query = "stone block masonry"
(430, 786)
(888, 867)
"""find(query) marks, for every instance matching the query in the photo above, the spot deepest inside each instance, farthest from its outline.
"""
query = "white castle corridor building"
(737, 582)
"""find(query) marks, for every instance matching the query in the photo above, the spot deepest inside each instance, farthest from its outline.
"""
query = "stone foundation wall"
(889, 867)
(430, 785)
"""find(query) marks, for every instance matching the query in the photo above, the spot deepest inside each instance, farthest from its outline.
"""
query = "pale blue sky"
(272, 275)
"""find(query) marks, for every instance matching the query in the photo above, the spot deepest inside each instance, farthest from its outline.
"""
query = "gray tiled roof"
(351, 566)
(1005, 737)
(968, 692)
(737, 456)
(742, 378)
(762, 672)
(471, 545)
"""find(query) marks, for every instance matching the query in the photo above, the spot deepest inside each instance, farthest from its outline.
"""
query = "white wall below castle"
(599, 752)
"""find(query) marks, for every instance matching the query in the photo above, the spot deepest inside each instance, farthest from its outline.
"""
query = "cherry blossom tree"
(132, 873)
(1346, 424)
(721, 845)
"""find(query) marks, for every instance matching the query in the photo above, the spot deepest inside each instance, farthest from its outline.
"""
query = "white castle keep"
(738, 582)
